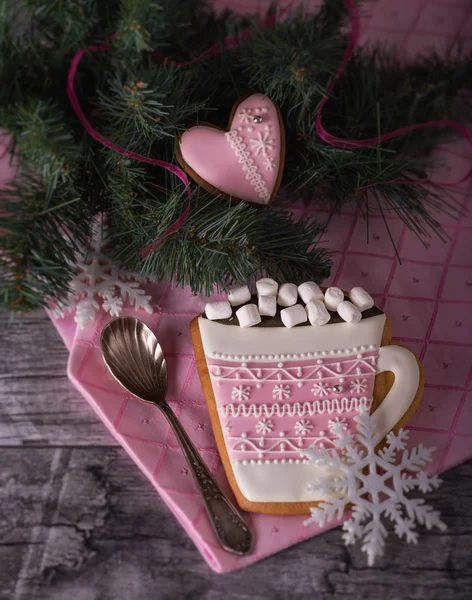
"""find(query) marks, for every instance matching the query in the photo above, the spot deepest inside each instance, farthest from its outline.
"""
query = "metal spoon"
(135, 358)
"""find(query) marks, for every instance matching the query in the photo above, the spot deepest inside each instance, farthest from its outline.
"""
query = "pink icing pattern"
(243, 162)
(276, 410)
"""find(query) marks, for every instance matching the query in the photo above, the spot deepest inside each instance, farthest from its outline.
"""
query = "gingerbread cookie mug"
(283, 370)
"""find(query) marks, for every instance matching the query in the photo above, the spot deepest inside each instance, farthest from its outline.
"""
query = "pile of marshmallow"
(269, 294)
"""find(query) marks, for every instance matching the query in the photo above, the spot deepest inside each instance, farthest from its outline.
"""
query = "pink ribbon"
(366, 143)
(177, 171)
(228, 43)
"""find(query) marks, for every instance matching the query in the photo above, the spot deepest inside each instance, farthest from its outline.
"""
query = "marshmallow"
(361, 299)
(317, 313)
(294, 315)
(248, 315)
(309, 292)
(267, 306)
(218, 310)
(349, 312)
(267, 287)
(288, 294)
(333, 298)
(239, 295)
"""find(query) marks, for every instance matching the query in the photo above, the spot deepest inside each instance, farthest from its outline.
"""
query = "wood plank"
(38, 403)
(84, 523)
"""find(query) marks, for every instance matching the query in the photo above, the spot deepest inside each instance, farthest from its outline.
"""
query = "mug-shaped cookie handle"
(403, 364)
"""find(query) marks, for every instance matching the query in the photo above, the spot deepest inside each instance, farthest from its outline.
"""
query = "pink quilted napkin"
(147, 438)
(428, 299)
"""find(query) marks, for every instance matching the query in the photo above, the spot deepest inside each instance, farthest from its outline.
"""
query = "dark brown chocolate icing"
(277, 321)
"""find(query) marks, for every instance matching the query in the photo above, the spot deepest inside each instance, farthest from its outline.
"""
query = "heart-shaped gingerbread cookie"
(244, 162)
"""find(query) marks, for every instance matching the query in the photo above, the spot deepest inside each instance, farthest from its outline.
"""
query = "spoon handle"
(227, 523)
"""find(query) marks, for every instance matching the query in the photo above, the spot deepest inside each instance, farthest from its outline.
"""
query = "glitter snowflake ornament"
(375, 484)
(100, 282)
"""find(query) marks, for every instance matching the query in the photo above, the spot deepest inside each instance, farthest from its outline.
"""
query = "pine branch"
(220, 242)
(146, 104)
(141, 103)
(293, 62)
(378, 94)
(40, 240)
(380, 181)
(44, 143)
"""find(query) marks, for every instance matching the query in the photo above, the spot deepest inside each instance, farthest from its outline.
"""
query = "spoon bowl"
(136, 360)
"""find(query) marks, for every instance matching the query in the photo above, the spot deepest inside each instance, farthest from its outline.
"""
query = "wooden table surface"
(78, 520)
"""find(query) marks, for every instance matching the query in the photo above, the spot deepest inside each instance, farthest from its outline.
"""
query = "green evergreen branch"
(144, 105)
(220, 242)
(130, 96)
(40, 243)
(293, 62)
(44, 143)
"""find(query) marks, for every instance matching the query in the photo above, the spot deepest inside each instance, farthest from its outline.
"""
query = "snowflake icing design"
(241, 392)
(99, 279)
(337, 422)
(303, 427)
(245, 116)
(281, 392)
(320, 389)
(376, 486)
(264, 426)
(337, 425)
(262, 143)
(358, 386)
(269, 163)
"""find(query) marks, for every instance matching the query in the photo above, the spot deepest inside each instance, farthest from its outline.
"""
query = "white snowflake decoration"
(375, 485)
(262, 143)
(241, 393)
(320, 389)
(264, 426)
(281, 392)
(98, 279)
(358, 386)
(303, 427)
(245, 116)
(269, 163)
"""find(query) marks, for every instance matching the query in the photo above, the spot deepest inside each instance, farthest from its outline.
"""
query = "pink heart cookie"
(245, 161)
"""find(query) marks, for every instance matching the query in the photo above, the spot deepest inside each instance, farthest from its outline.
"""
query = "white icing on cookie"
(284, 390)
(402, 363)
(222, 339)
(270, 481)
(318, 407)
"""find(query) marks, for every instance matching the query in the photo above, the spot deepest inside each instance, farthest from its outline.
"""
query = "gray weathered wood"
(39, 405)
(79, 521)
